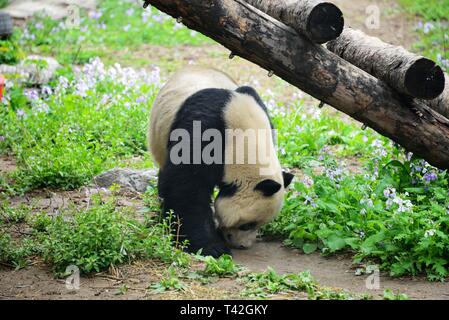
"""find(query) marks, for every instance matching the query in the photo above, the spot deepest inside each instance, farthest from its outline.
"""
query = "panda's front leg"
(190, 203)
(198, 227)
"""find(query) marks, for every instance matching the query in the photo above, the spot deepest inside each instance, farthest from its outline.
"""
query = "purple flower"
(335, 174)
(145, 16)
(32, 94)
(2, 138)
(130, 12)
(141, 99)
(95, 15)
(390, 193)
(46, 90)
(308, 181)
(20, 113)
(309, 200)
(428, 26)
(39, 26)
(127, 27)
(430, 176)
(442, 61)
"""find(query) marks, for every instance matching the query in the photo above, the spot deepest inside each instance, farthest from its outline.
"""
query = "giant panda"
(250, 193)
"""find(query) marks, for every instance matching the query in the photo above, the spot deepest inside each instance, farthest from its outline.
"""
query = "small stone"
(30, 72)
(128, 179)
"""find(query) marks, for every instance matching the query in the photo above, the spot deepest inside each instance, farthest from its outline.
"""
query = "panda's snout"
(235, 244)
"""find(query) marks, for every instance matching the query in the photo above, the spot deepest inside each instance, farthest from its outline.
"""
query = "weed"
(223, 266)
(170, 282)
(267, 283)
(105, 235)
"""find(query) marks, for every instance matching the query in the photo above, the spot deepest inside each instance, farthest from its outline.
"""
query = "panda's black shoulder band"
(251, 92)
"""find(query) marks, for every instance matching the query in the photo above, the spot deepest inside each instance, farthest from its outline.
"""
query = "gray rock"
(128, 179)
(33, 70)
(6, 25)
(57, 9)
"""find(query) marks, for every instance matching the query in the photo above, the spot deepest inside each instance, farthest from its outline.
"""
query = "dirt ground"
(132, 281)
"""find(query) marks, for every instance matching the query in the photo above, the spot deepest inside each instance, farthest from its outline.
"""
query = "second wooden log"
(320, 21)
(404, 71)
(441, 103)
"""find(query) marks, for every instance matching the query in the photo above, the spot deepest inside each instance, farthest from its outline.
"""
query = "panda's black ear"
(288, 177)
(268, 187)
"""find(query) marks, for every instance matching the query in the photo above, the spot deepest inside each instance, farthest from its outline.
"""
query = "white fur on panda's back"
(180, 86)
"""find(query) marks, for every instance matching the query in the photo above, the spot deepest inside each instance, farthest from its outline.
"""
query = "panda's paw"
(215, 250)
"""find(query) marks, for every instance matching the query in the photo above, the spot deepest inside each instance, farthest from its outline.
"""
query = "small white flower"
(429, 233)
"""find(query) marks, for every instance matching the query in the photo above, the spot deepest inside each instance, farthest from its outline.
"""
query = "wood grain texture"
(441, 103)
(404, 71)
(320, 21)
(259, 38)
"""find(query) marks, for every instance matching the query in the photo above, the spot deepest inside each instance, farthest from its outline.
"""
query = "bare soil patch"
(335, 271)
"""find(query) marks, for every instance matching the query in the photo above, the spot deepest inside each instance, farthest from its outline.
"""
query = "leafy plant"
(399, 217)
(223, 266)
(269, 283)
(169, 282)
(17, 253)
(390, 295)
(104, 235)
(10, 51)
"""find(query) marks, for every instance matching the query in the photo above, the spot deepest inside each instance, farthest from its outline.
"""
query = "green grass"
(394, 217)
(84, 124)
(433, 28)
(91, 239)
(117, 26)
(428, 9)
(268, 283)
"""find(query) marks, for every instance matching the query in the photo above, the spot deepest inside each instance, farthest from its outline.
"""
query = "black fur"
(228, 189)
(288, 177)
(187, 188)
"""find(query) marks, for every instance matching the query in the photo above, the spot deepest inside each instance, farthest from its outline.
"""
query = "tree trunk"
(272, 45)
(441, 104)
(320, 21)
(406, 72)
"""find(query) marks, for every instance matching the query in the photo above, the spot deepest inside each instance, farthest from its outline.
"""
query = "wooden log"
(404, 71)
(320, 21)
(441, 103)
(259, 38)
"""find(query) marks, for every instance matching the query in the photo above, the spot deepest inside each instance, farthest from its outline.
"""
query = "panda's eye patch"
(248, 226)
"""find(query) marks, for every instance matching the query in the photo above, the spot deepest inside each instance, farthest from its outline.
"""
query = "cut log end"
(325, 23)
(424, 79)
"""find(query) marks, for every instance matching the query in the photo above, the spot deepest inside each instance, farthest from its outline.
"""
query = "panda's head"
(242, 209)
